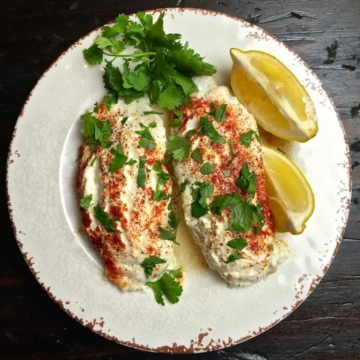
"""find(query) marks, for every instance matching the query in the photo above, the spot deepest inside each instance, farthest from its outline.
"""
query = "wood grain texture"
(33, 34)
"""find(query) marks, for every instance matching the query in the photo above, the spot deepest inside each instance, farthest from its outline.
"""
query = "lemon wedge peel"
(273, 94)
(290, 196)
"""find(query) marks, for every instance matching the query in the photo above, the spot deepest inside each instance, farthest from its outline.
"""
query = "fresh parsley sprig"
(245, 139)
(167, 286)
(149, 263)
(247, 180)
(199, 194)
(165, 66)
(96, 132)
(104, 219)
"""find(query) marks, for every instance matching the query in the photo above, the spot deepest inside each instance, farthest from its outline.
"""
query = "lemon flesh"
(272, 93)
(290, 197)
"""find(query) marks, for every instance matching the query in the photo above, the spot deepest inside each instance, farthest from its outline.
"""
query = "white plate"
(209, 316)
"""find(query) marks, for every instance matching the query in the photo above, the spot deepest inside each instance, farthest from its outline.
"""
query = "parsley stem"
(134, 55)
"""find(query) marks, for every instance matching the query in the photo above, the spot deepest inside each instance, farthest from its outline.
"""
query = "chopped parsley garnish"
(207, 168)
(221, 202)
(93, 161)
(167, 234)
(131, 162)
(109, 99)
(141, 178)
(96, 132)
(245, 139)
(247, 180)
(183, 186)
(148, 264)
(237, 244)
(245, 215)
(105, 219)
(124, 120)
(232, 154)
(219, 113)
(271, 247)
(209, 130)
(152, 113)
(165, 66)
(178, 148)
(96, 108)
(167, 286)
(177, 118)
(163, 178)
(197, 156)
(200, 194)
(226, 173)
(119, 159)
(190, 133)
(234, 256)
(146, 141)
(85, 202)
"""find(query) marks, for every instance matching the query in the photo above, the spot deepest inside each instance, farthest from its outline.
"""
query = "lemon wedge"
(272, 93)
(290, 197)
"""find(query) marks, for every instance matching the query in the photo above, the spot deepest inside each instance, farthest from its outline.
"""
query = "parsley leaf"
(237, 244)
(243, 216)
(167, 234)
(174, 219)
(147, 144)
(209, 130)
(178, 115)
(183, 186)
(226, 173)
(234, 256)
(197, 156)
(163, 178)
(148, 264)
(141, 178)
(96, 132)
(171, 97)
(152, 113)
(93, 161)
(124, 120)
(200, 194)
(104, 219)
(219, 113)
(131, 162)
(119, 159)
(93, 55)
(271, 247)
(178, 148)
(167, 286)
(207, 168)
(85, 202)
(245, 139)
(146, 141)
(221, 202)
(232, 154)
(247, 180)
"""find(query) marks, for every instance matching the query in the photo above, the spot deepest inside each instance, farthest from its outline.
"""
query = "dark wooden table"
(325, 33)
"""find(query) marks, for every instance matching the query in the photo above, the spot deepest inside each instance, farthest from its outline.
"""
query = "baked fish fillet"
(241, 253)
(135, 214)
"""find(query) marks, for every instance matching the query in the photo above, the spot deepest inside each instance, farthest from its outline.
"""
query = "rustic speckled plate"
(209, 316)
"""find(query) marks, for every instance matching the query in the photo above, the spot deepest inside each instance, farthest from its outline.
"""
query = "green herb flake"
(96, 132)
(245, 139)
(247, 180)
(119, 159)
(199, 194)
(93, 161)
(232, 154)
(271, 247)
(234, 256)
(207, 168)
(141, 178)
(167, 287)
(183, 186)
(167, 234)
(104, 219)
(131, 162)
(178, 148)
(226, 173)
(219, 113)
(124, 120)
(209, 130)
(190, 133)
(152, 113)
(85, 202)
(221, 202)
(197, 156)
(148, 264)
(178, 116)
(237, 244)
